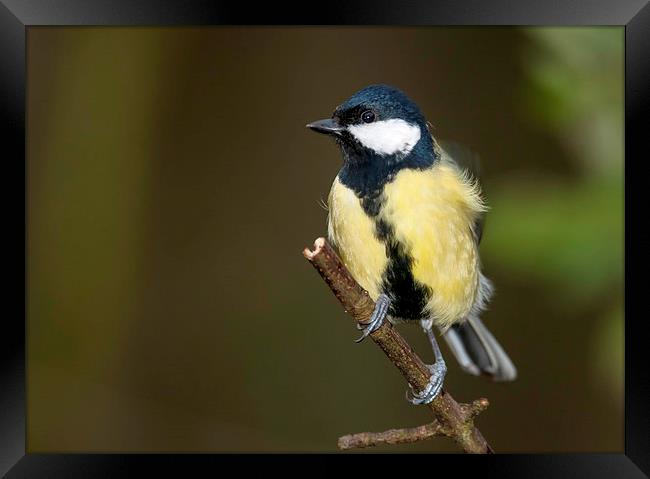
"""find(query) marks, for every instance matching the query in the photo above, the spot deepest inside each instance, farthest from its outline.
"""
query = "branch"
(392, 436)
(452, 419)
(407, 435)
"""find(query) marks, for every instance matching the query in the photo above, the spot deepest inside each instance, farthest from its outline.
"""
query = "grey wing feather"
(468, 160)
(455, 342)
(477, 229)
(477, 351)
(464, 156)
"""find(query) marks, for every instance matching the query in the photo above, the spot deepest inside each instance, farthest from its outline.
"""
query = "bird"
(407, 220)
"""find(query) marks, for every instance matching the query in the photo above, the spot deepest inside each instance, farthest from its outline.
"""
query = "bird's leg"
(378, 315)
(438, 371)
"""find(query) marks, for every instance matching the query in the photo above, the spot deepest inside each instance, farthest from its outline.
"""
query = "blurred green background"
(172, 185)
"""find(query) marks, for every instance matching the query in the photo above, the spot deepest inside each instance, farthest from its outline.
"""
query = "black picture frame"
(17, 15)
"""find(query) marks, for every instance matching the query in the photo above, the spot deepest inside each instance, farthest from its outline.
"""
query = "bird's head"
(378, 125)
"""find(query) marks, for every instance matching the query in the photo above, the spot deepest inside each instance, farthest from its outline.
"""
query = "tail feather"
(478, 352)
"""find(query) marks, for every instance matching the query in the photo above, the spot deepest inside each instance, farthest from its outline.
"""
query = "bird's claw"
(377, 318)
(433, 388)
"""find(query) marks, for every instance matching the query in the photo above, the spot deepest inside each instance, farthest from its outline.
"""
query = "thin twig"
(392, 436)
(451, 418)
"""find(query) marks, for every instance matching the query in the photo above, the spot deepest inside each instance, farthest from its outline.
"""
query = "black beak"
(327, 127)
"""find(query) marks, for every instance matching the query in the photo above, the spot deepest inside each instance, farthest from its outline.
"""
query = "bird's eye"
(368, 116)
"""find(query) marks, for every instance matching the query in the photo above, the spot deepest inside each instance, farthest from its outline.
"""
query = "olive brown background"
(172, 185)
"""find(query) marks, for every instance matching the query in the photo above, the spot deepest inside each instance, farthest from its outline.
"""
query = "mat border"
(17, 15)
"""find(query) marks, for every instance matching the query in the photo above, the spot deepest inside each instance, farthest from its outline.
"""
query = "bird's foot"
(431, 391)
(377, 318)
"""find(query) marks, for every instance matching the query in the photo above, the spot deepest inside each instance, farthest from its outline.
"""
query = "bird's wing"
(463, 156)
(469, 160)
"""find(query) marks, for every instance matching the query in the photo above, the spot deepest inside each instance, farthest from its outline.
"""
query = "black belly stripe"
(409, 297)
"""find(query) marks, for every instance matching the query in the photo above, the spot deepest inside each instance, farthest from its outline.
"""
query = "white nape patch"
(387, 137)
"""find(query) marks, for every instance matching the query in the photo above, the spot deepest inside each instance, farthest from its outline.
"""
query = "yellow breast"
(353, 232)
(432, 213)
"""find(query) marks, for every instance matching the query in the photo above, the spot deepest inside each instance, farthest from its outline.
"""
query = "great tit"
(407, 220)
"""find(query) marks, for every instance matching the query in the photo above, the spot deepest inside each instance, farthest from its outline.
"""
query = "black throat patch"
(366, 172)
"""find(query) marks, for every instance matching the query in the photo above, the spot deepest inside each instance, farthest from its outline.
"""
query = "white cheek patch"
(387, 137)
